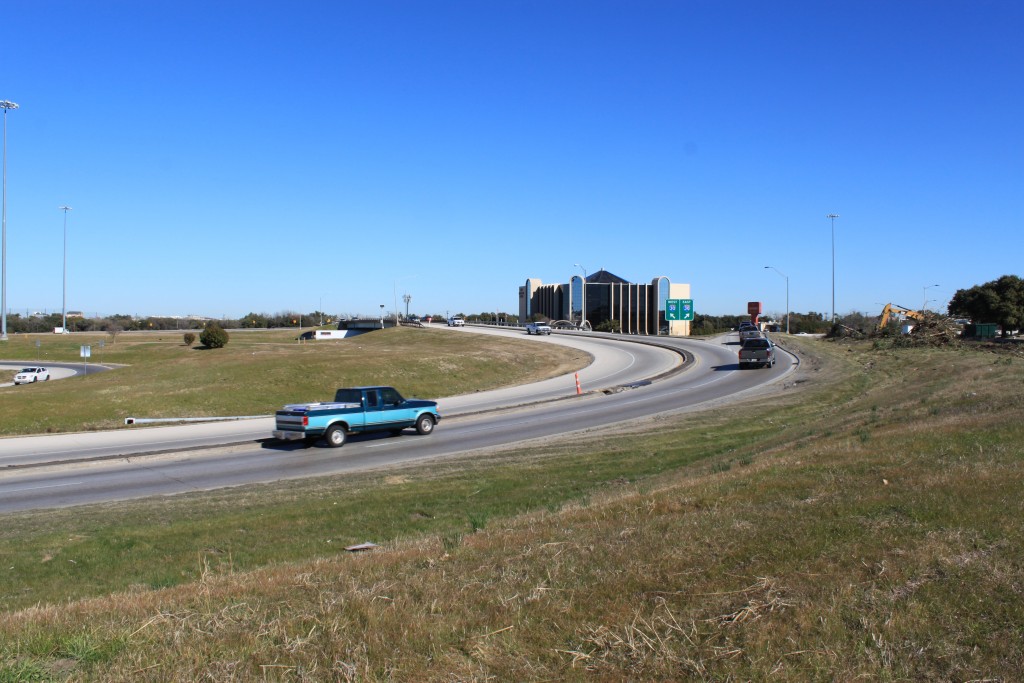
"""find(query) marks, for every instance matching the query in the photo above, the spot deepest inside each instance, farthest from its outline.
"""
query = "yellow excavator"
(895, 312)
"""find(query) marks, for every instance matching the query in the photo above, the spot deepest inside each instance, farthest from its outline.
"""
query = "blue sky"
(228, 157)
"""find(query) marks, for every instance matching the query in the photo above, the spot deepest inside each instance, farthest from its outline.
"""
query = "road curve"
(470, 423)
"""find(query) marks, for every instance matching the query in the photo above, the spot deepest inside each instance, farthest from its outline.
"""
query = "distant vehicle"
(355, 410)
(30, 375)
(756, 352)
(456, 322)
(749, 333)
(538, 328)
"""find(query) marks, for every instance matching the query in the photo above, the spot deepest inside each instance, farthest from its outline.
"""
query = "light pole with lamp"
(64, 299)
(382, 316)
(787, 293)
(833, 217)
(6, 105)
(924, 303)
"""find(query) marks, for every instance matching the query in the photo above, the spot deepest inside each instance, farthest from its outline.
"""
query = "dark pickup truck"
(757, 352)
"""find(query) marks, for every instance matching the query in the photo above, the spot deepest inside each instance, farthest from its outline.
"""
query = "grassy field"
(158, 376)
(866, 523)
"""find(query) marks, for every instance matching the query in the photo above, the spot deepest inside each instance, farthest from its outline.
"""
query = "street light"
(833, 217)
(6, 105)
(382, 316)
(583, 269)
(64, 299)
(924, 304)
(787, 293)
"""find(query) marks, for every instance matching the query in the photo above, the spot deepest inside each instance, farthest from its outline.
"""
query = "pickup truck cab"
(355, 410)
(756, 352)
(538, 328)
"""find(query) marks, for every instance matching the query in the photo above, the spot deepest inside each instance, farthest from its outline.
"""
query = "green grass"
(158, 376)
(865, 524)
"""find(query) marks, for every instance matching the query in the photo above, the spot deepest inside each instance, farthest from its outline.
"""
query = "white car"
(538, 328)
(456, 322)
(29, 375)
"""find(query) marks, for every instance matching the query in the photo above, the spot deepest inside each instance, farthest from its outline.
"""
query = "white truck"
(538, 328)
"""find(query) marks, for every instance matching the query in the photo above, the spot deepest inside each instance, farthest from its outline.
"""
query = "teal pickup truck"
(355, 410)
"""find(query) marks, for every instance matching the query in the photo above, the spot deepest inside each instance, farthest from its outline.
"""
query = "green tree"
(213, 336)
(999, 301)
(189, 338)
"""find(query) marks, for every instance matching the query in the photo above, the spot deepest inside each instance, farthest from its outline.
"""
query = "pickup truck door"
(372, 408)
(395, 411)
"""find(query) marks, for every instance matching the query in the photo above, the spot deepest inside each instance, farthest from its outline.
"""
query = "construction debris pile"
(929, 330)
(935, 330)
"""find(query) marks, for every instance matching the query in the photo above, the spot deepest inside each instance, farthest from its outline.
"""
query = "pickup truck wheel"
(425, 424)
(335, 436)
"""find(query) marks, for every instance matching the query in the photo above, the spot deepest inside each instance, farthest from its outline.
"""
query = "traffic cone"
(578, 390)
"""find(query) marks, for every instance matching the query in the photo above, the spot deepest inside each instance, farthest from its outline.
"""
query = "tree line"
(999, 301)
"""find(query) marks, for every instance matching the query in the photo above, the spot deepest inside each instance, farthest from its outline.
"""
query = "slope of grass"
(867, 525)
(258, 371)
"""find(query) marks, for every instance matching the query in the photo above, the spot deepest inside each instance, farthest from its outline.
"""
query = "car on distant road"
(456, 322)
(29, 375)
(538, 328)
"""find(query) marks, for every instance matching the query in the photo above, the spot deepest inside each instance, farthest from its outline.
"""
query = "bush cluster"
(213, 336)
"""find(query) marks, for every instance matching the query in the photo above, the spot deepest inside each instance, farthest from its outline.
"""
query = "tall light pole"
(787, 293)
(6, 105)
(382, 316)
(583, 269)
(924, 304)
(64, 299)
(406, 298)
(833, 217)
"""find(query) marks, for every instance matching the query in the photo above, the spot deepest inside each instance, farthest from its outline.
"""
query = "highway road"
(626, 381)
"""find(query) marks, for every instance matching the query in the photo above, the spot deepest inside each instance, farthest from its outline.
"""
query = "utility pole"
(6, 105)
(64, 299)
(833, 217)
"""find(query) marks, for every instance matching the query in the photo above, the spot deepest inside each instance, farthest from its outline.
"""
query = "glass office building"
(605, 301)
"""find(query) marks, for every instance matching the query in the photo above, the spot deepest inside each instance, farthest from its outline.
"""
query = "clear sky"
(235, 156)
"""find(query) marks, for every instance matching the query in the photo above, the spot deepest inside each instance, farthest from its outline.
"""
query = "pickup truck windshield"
(755, 344)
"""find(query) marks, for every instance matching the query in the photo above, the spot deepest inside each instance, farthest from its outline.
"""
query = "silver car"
(29, 375)
(538, 328)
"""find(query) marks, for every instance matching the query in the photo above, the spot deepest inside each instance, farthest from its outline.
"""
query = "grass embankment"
(255, 374)
(867, 526)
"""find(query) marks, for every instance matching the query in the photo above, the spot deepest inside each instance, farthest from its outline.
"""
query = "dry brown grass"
(872, 534)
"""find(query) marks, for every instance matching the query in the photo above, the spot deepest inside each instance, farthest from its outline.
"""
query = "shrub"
(190, 339)
(213, 336)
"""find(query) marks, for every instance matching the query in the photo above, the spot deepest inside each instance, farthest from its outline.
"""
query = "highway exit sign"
(679, 309)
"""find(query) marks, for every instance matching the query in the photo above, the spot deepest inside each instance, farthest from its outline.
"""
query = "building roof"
(603, 277)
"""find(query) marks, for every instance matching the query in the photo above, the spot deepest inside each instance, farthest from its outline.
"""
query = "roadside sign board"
(679, 309)
(86, 351)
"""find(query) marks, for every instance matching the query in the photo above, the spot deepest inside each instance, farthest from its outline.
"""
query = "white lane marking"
(51, 486)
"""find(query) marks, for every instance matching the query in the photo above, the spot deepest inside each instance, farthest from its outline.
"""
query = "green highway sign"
(679, 309)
